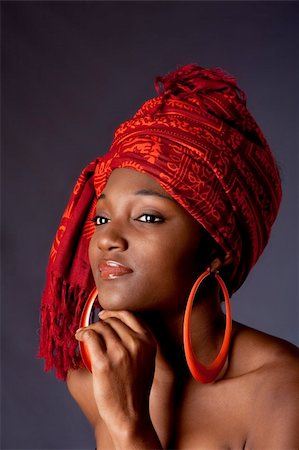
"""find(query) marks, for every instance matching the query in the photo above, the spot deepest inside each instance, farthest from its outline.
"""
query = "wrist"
(138, 434)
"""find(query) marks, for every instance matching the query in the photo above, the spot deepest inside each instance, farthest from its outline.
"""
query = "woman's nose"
(110, 239)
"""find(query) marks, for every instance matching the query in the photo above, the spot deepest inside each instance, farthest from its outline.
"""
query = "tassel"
(59, 322)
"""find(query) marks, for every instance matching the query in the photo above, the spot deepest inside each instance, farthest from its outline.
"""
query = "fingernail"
(101, 313)
(79, 329)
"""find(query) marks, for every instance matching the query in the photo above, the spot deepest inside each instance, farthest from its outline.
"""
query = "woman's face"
(146, 251)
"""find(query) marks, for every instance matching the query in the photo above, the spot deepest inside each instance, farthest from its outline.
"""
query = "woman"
(185, 197)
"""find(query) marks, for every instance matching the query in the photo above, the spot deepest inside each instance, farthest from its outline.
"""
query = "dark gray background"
(72, 71)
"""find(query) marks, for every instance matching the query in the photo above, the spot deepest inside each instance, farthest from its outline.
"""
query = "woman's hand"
(122, 353)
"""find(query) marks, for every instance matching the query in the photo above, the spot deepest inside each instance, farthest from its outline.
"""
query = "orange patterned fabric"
(198, 140)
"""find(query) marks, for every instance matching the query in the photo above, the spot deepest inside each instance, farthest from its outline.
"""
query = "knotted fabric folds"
(198, 140)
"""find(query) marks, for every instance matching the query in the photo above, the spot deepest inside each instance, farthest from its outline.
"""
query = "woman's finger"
(105, 332)
(127, 318)
(116, 334)
(91, 339)
(129, 337)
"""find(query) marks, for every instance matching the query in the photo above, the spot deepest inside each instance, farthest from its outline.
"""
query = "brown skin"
(140, 394)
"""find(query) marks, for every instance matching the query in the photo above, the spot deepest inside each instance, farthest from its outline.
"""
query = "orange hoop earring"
(84, 322)
(202, 373)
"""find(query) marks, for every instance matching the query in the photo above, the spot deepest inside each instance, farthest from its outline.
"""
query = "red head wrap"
(198, 140)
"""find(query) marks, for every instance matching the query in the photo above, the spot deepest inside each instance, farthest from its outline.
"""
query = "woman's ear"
(221, 261)
(228, 259)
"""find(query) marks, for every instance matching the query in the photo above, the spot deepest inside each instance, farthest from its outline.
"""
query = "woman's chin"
(119, 294)
(115, 302)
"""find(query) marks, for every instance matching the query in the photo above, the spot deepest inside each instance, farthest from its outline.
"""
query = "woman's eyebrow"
(152, 192)
(143, 192)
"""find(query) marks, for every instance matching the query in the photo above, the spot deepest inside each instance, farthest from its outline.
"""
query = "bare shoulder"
(79, 383)
(272, 367)
(80, 386)
(255, 350)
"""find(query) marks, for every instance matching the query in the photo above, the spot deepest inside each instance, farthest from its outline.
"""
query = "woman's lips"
(112, 269)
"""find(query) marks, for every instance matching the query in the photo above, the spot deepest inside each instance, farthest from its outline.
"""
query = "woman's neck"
(207, 328)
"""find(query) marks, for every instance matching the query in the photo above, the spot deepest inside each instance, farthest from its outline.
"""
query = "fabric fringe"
(59, 321)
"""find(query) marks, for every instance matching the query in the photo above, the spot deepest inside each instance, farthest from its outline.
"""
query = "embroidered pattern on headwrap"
(198, 140)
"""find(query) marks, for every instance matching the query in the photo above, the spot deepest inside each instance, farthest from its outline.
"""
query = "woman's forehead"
(133, 180)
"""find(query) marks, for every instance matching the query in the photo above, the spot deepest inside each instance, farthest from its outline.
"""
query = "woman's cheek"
(92, 253)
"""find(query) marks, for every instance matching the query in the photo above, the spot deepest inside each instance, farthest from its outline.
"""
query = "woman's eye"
(150, 218)
(100, 220)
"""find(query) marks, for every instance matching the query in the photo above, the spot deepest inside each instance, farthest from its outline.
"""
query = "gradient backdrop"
(72, 71)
